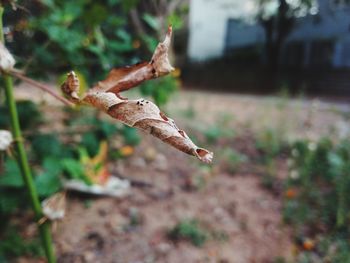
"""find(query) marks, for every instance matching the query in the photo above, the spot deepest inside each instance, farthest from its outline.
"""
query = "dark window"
(293, 54)
(339, 4)
(321, 53)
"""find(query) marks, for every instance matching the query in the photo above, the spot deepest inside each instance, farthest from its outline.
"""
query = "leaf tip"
(204, 155)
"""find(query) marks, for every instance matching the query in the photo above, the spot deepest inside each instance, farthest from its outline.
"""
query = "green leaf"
(11, 199)
(44, 145)
(150, 41)
(116, 21)
(131, 136)
(120, 46)
(95, 15)
(91, 142)
(47, 184)
(75, 170)
(176, 21)
(53, 166)
(107, 129)
(122, 34)
(12, 176)
(336, 161)
(129, 4)
(113, 2)
(49, 3)
(151, 21)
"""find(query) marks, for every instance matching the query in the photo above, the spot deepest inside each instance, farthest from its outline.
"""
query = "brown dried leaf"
(54, 207)
(142, 114)
(160, 59)
(146, 116)
(121, 79)
(71, 87)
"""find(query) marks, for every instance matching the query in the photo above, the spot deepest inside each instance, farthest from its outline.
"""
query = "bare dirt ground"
(86, 237)
(100, 229)
(235, 205)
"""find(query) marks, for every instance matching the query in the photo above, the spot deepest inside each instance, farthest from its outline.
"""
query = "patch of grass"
(269, 142)
(189, 230)
(279, 260)
(283, 96)
(233, 159)
(212, 134)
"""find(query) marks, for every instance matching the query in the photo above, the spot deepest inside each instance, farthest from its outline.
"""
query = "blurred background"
(264, 84)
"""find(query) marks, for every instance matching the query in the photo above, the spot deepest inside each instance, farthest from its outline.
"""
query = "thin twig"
(39, 85)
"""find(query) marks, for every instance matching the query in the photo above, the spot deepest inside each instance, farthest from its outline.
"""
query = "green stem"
(44, 228)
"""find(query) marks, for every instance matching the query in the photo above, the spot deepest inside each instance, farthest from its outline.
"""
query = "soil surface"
(165, 191)
(235, 205)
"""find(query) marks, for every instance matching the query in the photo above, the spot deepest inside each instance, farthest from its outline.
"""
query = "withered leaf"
(121, 79)
(6, 59)
(71, 87)
(5, 140)
(54, 207)
(141, 114)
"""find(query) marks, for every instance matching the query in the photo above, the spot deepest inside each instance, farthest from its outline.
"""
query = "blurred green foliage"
(13, 245)
(159, 89)
(269, 142)
(317, 197)
(222, 129)
(29, 115)
(233, 159)
(193, 231)
(90, 37)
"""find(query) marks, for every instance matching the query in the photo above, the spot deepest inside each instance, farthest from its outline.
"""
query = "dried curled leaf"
(54, 207)
(141, 114)
(7, 61)
(121, 79)
(160, 59)
(5, 140)
(146, 116)
(71, 86)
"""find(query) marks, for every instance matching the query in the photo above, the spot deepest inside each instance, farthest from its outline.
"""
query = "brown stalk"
(17, 74)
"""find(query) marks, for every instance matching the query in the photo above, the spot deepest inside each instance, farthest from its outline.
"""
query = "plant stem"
(23, 162)
(41, 86)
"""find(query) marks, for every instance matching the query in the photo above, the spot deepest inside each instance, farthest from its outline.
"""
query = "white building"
(318, 39)
(208, 26)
